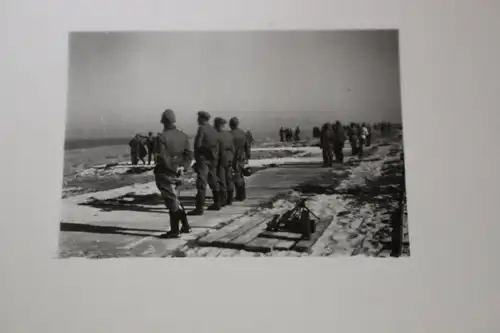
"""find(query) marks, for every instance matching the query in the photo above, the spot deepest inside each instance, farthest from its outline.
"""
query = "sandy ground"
(111, 227)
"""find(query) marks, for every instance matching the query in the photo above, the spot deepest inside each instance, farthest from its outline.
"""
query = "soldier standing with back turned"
(241, 156)
(173, 156)
(206, 154)
(225, 167)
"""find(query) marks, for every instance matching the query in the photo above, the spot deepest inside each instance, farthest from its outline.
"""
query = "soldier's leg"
(221, 173)
(230, 185)
(325, 156)
(214, 184)
(330, 156)
(167, 189)
(201, 187)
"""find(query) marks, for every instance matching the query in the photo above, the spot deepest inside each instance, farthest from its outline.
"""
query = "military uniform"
(151, 147)
(241, 155)
(206, 154)
(326, 142)
(338, 145)
(225, 167)
(172, 152)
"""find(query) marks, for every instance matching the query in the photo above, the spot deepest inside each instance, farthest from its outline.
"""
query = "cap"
(234, 121)
(168, 116)
(204, 114)
(220, 121)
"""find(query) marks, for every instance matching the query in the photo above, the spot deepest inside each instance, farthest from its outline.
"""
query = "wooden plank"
(211, 237)
(281, 235)
(305, 245)
(285, 245)
(242, 235)
(261, 244)
(248, 236)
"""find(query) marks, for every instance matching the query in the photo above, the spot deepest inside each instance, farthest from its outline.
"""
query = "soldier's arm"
(198, 139)
(188, 154)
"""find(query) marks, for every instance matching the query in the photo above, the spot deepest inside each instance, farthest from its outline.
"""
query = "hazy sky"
(119, 83)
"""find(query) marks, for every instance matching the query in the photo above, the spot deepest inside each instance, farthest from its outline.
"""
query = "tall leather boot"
(243, 192)
(223, 198)
(174, 226)
(237, 197)
(200, 203)
(229, 198)
(186, 228)
(217, 201)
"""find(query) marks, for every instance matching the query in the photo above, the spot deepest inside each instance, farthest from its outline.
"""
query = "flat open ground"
(355, 203)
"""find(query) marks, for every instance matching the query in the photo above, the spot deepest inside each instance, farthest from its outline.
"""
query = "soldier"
(316, 132)
(282, 134)
(250, 138)
(362, 132)
(297, 134)
(326, 141)
(369, 135)
(206, 154)
(353, 139)
(241, 157)
(225, 167)
(173, 156)
(137, 149)
(338, 144)
(150, 146)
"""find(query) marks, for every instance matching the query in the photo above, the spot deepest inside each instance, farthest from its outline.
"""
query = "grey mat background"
(450, 93)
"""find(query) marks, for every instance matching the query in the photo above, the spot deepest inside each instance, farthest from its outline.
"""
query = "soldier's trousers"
(225, 176)
(206, 174)
(327, 155)
(339, 153)
(360, 147)
(239, 178)
(166, 185)
(134, 158)
(354, 147)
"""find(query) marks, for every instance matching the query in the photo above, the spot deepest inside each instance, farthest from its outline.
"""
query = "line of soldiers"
(333, 137)
(220, 157)
(288, 135)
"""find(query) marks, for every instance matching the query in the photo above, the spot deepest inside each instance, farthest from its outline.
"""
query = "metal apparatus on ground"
(298, 220)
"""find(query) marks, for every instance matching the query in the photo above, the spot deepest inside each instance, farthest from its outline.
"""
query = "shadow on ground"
(96, 229)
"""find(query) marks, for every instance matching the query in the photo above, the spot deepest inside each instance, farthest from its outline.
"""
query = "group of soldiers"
(289, 135)
(220, 158)
(333, 137)
(140, 146)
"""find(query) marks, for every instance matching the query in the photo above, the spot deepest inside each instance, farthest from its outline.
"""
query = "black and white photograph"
(234, 144)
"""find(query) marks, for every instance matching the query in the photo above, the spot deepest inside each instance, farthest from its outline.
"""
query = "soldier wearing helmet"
(226, 157)
(173, 155)
(241, 157)
(206, 154)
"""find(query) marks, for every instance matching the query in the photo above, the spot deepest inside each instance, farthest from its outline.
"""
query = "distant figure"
(174, 156)
(137, 150)
(369, 135)
(339, 140)
(326, 143)
(241, 156)
(362, 133)
(249, 138)
(151, 146)
(282, 134)
(316, 132)
(297, 134)
(206, 154)
(226, 158)
(353, 139)
(289, 134)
